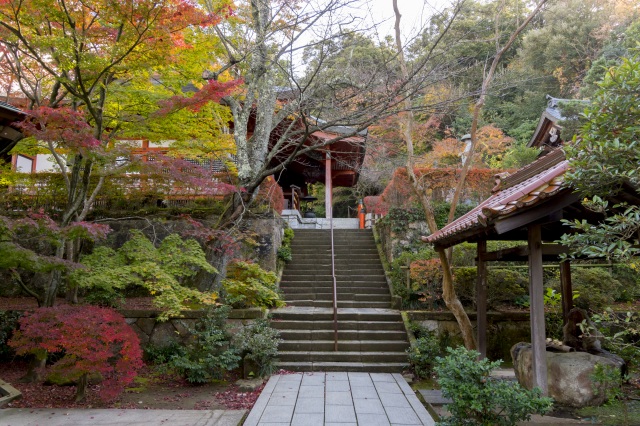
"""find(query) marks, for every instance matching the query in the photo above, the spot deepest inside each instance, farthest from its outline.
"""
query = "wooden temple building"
(9, 133)
(527, 205)
(337, 164)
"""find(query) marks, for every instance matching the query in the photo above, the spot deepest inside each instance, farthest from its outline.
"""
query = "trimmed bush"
(423, 354)
(479, 399)
(8, 325)
(504, 286)
(596, 287)
(259, 341)
(209, 353)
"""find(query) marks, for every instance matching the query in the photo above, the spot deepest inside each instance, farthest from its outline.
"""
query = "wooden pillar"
(328, 186)
(481, 299)
(566, 290)
(536, 297)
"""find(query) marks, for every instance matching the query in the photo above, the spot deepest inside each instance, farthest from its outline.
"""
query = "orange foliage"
(271, 193)
(375, 205)
(447, 152)
(491, 142)
(441, 183)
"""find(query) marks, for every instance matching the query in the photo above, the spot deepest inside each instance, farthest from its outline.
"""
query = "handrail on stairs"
(335, 288)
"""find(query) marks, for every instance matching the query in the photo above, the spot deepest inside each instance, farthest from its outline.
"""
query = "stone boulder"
(568, 374)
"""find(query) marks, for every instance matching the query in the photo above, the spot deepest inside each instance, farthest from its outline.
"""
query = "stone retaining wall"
(394, 242)
(160, 334)
(505, 329)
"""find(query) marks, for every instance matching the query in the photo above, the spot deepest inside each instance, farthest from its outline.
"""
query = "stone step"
(347, 257)
(327, 280)
(328, 288)
(323, 275)
(326, 314)
(341, 304)
(369, 367)
(341, 296)
(342, 325)
(308, 265)
(341, 282)
(343, 334)
(336, 238)
(331, 356)
(301, 268)
(337, 245)
(344, 272)
(344, 345)
(326, 249)
(348, 286)
(327, 234)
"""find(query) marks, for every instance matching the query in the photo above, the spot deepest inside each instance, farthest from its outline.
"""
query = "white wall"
(23, 164)
(46, 163)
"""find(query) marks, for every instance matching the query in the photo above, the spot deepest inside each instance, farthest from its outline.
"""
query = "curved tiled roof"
(505, 202)
(11, 108)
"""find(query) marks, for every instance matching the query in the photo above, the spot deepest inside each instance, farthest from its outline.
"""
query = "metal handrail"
(335, 288)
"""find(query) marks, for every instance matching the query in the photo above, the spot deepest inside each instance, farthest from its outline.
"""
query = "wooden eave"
(9, 133)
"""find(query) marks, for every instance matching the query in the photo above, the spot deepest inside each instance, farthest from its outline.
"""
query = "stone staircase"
(371, 335)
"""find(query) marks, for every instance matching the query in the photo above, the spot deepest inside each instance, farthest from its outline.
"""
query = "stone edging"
(248, 313)
(448, 316)
(8, 393)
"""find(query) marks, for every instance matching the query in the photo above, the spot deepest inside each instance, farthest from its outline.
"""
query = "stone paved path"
(367, 399)
(115, 417)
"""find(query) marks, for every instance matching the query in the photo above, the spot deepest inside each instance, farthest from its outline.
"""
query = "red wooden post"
(328, 186)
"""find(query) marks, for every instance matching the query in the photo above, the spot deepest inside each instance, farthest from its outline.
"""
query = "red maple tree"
(92, 340)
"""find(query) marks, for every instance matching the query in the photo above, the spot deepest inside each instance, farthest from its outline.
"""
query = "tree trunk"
(81, 389)
(51, 289)
(448, 291)
(36, 369)
(72, 289)
(454, 304)
(217, 257)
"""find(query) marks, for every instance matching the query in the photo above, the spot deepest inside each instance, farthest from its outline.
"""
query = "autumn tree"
(261, 46)
(66, 58)
(21, 254)
(449, 294)
(87, 340)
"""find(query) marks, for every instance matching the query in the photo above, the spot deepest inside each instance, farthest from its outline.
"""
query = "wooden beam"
(518, 252)
(481, 299)
(565, 289)
(521, 253)
(545, 209)
(536, 298)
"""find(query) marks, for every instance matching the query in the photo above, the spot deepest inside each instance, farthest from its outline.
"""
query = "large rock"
(569, 374)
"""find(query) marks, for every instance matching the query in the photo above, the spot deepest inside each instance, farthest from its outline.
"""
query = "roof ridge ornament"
(499, 177)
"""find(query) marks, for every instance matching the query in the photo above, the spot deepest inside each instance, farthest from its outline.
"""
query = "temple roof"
(528, 187)
(9, 135)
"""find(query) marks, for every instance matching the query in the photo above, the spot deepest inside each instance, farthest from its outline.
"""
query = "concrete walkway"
(115, 417)
(368, 399)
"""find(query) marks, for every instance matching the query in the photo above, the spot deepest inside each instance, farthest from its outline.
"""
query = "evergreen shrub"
(259, 342)
(209, 354)
(479, 399)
